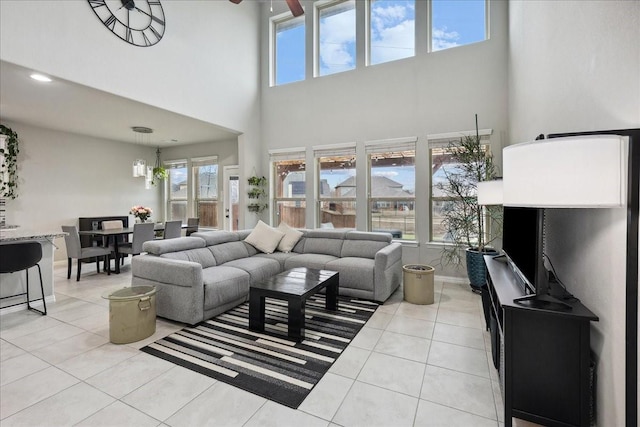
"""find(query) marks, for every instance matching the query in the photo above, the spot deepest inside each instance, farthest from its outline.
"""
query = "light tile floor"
(411, 365)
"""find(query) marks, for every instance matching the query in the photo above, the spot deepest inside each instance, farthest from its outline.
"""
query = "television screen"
(520, 240)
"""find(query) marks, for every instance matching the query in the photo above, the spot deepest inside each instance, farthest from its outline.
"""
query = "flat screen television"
(523, 244)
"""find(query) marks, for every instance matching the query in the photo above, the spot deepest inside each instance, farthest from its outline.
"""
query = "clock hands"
(158, 20)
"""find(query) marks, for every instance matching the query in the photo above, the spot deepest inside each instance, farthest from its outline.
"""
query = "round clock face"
(138, 22)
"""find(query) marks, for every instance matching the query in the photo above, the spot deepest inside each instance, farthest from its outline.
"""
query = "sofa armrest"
(387, 271)
(167, 271)
(388, 256)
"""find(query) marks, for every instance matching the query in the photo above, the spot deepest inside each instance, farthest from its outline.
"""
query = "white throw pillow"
(291, 237)
(264, 238)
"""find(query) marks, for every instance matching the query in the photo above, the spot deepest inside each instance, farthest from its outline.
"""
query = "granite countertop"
(23, 233)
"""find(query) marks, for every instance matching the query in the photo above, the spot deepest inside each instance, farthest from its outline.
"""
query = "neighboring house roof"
(381, 186)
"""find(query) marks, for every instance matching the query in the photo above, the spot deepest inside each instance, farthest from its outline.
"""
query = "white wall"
(63, 176)
(206, 66)
(427, 94)
(575, 66)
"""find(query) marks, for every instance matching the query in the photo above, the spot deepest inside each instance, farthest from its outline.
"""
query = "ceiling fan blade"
(235, 1)
(296, 7)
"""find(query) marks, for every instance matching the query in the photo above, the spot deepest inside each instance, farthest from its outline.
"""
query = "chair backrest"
(19, 256)
(110, 225)
(192, 225)
(72, 241)
(142, 232)
(172, 229)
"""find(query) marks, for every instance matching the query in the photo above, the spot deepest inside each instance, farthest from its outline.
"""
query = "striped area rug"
(267, 364)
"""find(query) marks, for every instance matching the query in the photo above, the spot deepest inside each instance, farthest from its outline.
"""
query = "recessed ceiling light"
(40, 77)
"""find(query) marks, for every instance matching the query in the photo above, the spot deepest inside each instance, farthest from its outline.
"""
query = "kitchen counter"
(22, 233)
(13, 283)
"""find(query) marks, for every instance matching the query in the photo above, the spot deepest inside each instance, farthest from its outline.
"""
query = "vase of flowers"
(141, 212)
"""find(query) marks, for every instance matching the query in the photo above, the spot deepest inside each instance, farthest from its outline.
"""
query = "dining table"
(114, 232)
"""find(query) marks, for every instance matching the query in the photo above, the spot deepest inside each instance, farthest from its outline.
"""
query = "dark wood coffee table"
(293, 286)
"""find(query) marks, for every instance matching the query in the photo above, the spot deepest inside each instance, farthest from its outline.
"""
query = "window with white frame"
(205, 190)
(336, 186)
(391, 27)
(335, 27)
(289, 187)
(287, 49)
(457, 23)
(177, 190)
(444, 192)
(391, 189)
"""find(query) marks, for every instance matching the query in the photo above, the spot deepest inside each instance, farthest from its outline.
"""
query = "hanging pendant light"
(139, 168)
(140, 165)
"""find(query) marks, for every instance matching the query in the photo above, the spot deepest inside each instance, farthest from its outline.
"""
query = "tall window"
(457, 23)
(442, 195)
(336, 35)
(289, 191)
(391, 30)
(205, 190)
(392, 181)
(177, 190)
(288, 53)
(336, 186)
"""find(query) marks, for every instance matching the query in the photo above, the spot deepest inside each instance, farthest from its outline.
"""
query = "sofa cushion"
(258, 268)
(321, 245)
(223, 285)
(264, 238)
(159, 247)
(216, 237)
(308, 260)
(225, 252)
(361, 248)
(202, 256)
(281, 257)
(355, 272)
(290, 238)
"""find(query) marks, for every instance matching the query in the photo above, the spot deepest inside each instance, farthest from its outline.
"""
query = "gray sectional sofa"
(208, 273)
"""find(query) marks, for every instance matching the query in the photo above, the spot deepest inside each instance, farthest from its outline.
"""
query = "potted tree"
(469, 226)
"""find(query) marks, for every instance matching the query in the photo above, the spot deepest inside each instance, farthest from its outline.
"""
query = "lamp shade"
(490, 192)
(573, 172)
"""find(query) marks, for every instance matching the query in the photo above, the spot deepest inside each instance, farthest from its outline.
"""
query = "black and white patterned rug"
(267, 364)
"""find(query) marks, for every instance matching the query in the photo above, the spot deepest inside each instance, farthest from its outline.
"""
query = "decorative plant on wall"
(9, 164)
(468, 222)
(257, 192)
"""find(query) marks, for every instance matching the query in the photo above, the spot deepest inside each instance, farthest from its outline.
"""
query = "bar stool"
(20, 256)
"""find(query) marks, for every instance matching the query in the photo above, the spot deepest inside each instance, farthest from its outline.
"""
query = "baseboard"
(451, 279)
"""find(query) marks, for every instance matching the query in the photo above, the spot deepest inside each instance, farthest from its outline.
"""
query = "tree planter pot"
(476, 268)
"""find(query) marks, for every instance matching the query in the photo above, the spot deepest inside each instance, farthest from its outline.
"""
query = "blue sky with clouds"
(455, 23)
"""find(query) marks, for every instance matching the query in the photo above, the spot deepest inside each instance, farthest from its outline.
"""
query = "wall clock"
(138, 22)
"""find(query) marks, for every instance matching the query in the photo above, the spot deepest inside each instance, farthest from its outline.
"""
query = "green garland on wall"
(9, 166)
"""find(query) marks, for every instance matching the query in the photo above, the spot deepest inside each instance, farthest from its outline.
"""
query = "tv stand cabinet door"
(547, 368)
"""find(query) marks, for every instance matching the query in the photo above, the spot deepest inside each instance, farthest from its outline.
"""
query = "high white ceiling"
(66, 106)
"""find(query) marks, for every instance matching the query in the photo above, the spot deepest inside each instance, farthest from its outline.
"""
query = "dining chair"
(142, 232)
(192, 225)
(113, 225)
(172, 229)
(75, 250)
(20, 256)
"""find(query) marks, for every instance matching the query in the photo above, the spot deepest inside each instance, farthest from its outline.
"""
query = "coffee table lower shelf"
(294, 286)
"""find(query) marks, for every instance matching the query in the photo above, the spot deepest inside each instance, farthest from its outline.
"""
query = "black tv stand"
(542, 301)
(542, 352)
